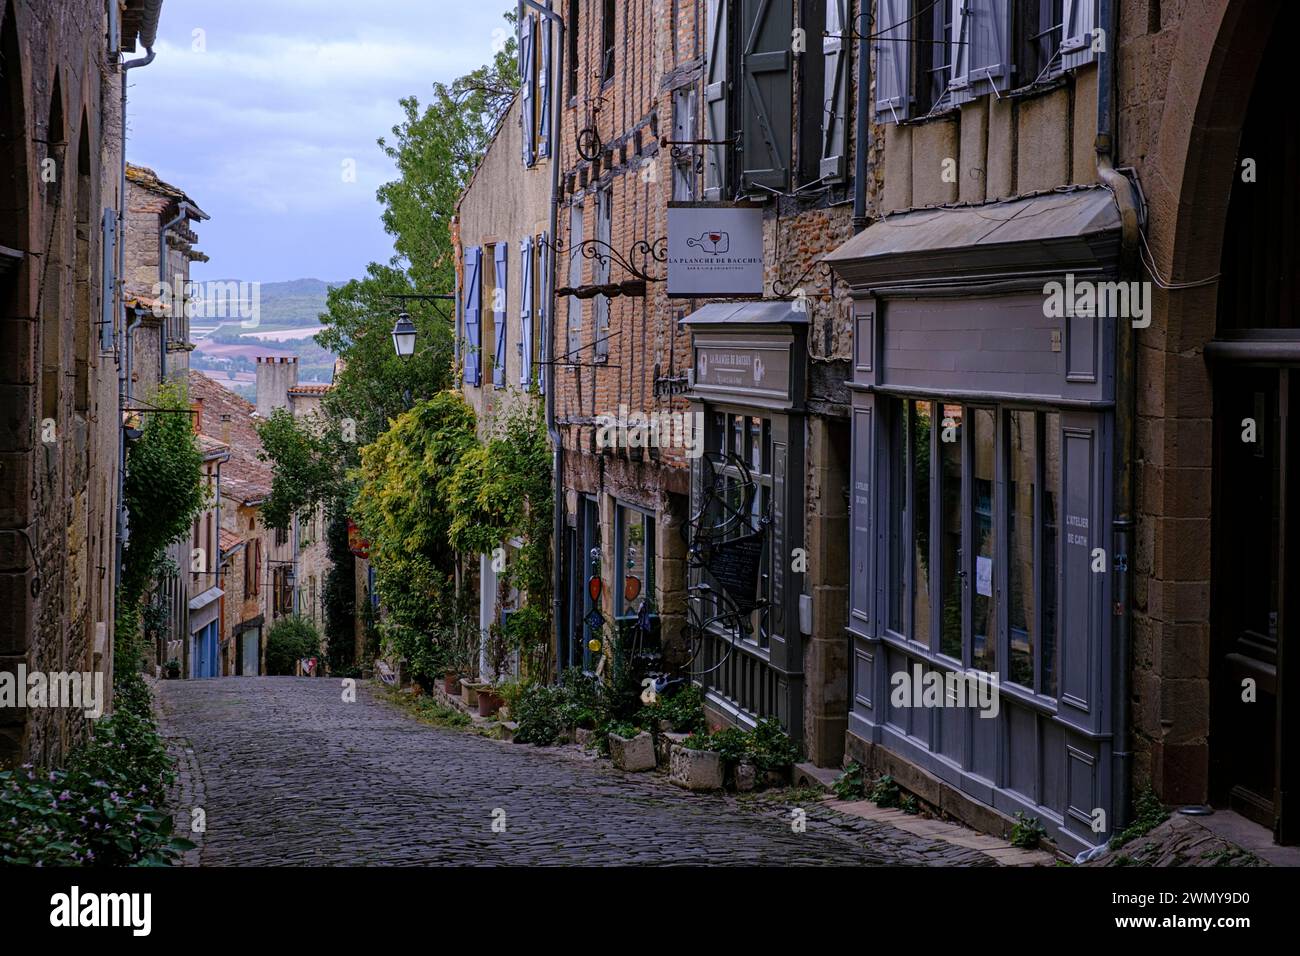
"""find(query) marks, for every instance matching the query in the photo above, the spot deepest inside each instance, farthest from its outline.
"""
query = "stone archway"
(1186, 176)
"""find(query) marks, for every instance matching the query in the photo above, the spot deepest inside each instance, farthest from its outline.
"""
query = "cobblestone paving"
(289, 774)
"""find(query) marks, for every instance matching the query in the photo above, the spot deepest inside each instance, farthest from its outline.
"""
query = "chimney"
(275, 376)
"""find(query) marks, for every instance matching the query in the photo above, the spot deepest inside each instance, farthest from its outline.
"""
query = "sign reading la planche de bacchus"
(715, 250)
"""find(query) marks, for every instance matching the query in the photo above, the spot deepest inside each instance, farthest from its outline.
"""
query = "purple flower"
(65, 795)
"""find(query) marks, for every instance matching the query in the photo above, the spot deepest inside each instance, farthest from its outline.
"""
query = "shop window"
(635, 553)
(972, 455)
(744, 502)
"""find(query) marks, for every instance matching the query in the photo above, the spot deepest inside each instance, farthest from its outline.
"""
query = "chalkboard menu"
(734, 565)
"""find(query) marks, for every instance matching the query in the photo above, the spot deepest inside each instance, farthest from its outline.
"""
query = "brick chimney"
(275, 376)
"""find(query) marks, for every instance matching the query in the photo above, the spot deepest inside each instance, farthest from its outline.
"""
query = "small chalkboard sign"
(734, 564)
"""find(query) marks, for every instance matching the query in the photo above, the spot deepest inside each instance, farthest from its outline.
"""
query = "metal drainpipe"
(1125, 412)
(863, 139)
(125, 347)
(557, 529)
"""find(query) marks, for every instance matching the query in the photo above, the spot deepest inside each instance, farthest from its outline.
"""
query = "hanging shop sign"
(734, 565)
(715, 250)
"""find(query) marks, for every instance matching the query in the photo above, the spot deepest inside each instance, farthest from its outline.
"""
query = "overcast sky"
(255, 116)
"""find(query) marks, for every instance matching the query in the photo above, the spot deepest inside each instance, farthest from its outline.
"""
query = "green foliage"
(909, 805)
(885, 793)
(732, 742)
(402, 509)
(540, 715)
(626, 729)
(106, 807)
(684, 710)
(1149, 813)
(851, 784)
(338, 597)
(770, 748)
(289, 640)
(697, 742)
(163, 489)
(1027, 832)
(305, 469)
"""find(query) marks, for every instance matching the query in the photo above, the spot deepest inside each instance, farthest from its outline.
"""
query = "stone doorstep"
(1000, 851)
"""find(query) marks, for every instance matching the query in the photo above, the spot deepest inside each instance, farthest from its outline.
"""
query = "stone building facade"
(60, 165)
(502, 238)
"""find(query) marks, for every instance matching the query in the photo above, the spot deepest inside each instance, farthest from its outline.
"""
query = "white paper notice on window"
(983, 575)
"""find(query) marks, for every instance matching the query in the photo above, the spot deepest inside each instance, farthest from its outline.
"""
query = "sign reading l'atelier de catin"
(715, 250)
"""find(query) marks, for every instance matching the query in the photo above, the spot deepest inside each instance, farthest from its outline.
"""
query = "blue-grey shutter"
(767, 88)
(544, 90)
(526, 80)
(526, 311)
(474, 316)
(893, 33)
(1079, 20)
(716, 88)
(958, 90)
(573, 251)
(108, 292)
(501, 264)
(544, 309)
(989, 53)
(835, 113)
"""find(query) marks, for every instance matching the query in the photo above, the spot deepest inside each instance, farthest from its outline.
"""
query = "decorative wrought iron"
(790, 290)
(724, 543)
(638, 262)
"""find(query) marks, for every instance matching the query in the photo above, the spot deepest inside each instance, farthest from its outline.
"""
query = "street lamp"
(404, 336)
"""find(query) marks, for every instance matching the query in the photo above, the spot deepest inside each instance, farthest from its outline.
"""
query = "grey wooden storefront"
(958, 368)
(748, 387)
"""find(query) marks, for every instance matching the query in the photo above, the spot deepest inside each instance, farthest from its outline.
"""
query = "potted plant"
(772, 752)
(172, 669)
(489, 701)
(695, 765)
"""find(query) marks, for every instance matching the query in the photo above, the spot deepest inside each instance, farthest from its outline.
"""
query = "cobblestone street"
(288, 774)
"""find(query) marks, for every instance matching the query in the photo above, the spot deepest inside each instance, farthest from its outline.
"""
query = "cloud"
(254, 108)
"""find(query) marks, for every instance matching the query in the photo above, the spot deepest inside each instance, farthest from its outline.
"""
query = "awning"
(204, 608)
(1075, 230)
(772, 312)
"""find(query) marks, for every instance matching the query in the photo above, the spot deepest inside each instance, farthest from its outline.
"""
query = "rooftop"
(224, 413)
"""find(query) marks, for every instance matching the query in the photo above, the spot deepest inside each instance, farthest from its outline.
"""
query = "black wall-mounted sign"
(734, 565)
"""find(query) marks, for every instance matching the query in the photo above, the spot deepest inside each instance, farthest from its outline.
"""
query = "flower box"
(633, 755)
(664, 744)
(695, 769)
(469, 692)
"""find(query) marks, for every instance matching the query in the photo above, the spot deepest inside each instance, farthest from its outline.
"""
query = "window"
(607, 42)
(684, 156)
(1038, 39)
(975, 448)
(741, 510)
(934, 49)
(281, 536)
(500, 266)
(575, 280)
(571, 27)
(635, 553)
(601, 269)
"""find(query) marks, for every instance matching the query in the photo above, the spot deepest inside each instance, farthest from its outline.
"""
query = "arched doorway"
(1255, 367)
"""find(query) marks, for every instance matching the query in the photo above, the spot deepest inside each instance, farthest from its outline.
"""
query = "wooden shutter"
(108, 304)
(835, 115)
(575, 279)
(766, 93)
(544, 89)
(527, 79)
(988, 31)
(546, 337)
(601, 270)
(501, 264)
(1079, 20)
(526, 311)
(893, 60)
(959, 52)
(474, 316)
(716, 89)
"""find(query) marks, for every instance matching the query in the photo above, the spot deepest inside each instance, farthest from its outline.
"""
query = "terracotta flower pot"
(489, 702)
(451, 683)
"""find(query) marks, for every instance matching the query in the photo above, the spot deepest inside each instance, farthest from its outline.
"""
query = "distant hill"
(285, 305)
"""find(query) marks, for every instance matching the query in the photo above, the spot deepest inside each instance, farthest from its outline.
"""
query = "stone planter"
(664, 744)
(634, 755)
(583, 736)
(489, 702)
(746, 776)
(695, 769)
(469, 692)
